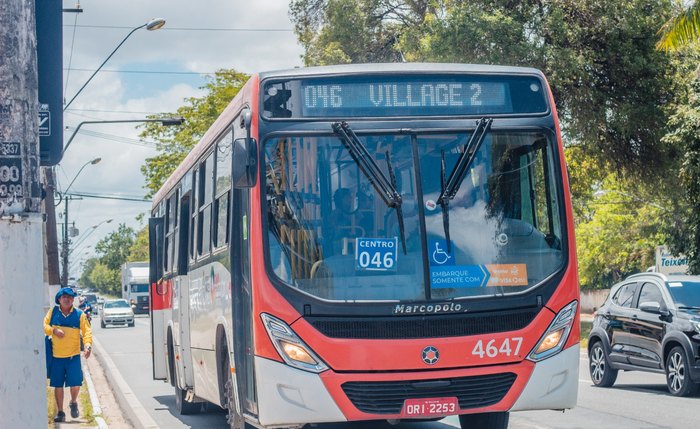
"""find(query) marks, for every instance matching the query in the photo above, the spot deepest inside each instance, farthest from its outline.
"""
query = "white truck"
(135, 286)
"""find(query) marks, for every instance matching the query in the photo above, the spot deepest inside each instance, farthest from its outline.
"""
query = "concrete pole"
(52, 265)
(22, 357)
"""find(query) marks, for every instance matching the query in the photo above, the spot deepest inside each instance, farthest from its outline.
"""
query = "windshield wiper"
(450, 187)
(689, 307)
(384, 187)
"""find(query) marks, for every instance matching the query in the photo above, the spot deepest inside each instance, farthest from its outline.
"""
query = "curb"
(136, 413)
(94, 400)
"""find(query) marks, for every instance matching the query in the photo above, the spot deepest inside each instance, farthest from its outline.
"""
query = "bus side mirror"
(245, 163)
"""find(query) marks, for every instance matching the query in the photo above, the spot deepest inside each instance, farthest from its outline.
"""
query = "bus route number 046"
(493, 348)
(376, 260)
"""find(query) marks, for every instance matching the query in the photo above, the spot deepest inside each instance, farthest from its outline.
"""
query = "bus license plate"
(430, 407)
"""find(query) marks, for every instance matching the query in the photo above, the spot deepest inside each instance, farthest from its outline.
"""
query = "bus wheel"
(234, 419)
(484, 421)
(184, 407)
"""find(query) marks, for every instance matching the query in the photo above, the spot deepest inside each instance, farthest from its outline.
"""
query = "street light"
(90, 231)
(65, 250)
(166, 122)
(152, 25)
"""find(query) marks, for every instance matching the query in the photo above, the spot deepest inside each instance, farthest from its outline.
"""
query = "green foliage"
(113, 250)
(104, 272)
(609, 82)
(349, 31)
(84, 280)
(684, 227)
(108, 281)
(139, 250)
(174, 143)
(620, 236)
(680, 30)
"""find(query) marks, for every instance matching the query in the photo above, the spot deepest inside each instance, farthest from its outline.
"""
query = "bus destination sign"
(384, 96)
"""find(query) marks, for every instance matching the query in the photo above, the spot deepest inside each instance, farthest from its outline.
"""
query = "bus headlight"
(290, 347)
(556, 335)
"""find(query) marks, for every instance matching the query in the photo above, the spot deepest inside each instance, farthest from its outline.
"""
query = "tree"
(620, 236)
(683, 228)
(113, 250)
(85, 281)
(139, 250)
(609, 81)
(107, 280)
(680, 30)
(174, 143)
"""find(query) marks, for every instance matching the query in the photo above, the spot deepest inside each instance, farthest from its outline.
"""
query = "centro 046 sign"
(376, 254)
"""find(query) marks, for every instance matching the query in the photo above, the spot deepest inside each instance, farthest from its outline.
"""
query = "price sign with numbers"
(10, 170)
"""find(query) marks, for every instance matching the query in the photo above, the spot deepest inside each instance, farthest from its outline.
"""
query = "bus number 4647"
(508, 347)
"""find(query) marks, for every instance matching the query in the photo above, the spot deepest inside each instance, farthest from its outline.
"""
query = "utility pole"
(22, 355)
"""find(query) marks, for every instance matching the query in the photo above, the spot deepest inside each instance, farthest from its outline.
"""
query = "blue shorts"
(66, 372)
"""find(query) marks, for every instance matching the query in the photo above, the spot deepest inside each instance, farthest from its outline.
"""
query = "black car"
(650, 322)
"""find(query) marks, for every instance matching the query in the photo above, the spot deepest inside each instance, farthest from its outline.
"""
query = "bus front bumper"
(289, 396)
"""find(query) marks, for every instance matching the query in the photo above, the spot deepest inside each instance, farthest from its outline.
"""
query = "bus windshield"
(332, 235)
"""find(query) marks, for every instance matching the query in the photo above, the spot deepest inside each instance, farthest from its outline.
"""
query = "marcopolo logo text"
(447, 307)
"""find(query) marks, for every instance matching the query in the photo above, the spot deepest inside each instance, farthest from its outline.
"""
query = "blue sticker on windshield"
(376, 254)
(458, 276)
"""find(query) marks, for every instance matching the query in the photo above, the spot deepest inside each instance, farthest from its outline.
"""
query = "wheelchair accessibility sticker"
(437, 250)
(376, 254)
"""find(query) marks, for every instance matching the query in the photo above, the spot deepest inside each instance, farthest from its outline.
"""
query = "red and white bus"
(371, 242)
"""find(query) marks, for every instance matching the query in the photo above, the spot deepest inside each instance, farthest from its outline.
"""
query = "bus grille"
(404, 327)
(387, 397)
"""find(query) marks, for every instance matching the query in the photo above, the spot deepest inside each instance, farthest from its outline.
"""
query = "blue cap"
(65, 291)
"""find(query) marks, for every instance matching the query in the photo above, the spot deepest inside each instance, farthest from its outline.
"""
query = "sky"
(152, 72)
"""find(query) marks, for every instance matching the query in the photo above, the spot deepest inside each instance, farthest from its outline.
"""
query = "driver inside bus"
(344, 227)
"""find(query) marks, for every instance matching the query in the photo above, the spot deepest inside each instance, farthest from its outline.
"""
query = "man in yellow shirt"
(66, 325)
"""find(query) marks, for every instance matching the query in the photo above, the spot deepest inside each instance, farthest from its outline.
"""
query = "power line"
(70, 58)
(71, 110)
(115, 138)
(144, 71)
(108, 197)
(254, 30)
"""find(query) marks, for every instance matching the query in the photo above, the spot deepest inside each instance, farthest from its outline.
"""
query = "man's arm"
(48, 329)
(86, 330)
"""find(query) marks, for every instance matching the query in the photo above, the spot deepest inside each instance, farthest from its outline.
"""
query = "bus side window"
(195, 210)
(166, 247)
(205, 198)
(222, 185)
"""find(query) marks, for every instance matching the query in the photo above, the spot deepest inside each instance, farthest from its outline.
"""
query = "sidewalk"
(82, 420)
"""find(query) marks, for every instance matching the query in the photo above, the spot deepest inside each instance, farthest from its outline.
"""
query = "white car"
(117, 312)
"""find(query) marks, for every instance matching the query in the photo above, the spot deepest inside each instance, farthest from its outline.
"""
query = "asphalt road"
(638, 400)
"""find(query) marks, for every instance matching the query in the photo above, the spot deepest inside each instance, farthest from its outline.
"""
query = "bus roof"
(399, 68)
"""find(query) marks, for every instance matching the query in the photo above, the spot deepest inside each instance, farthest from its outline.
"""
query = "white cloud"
(111, 96)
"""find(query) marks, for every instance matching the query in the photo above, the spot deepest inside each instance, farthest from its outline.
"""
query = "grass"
(585, 330)
(51, 401)
(86, 405)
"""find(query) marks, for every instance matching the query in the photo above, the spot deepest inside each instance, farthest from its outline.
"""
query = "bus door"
(159, 302)
(243, 349)
(181, 299)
